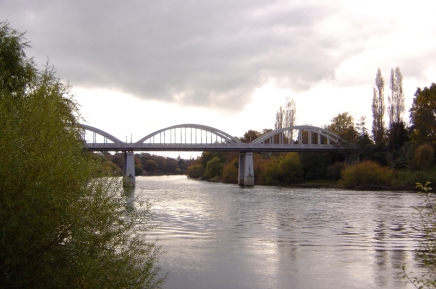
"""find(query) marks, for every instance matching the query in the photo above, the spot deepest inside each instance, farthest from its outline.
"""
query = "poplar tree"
(286, 117)
(378, 109)
(397, 130)
(290, 117)
(396, 97)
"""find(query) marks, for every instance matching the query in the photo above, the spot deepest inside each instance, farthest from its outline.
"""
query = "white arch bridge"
(195, 137)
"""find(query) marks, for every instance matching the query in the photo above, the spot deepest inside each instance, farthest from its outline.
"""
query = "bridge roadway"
(195, 137)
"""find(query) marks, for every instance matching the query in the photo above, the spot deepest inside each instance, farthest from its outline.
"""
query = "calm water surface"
(223, 236)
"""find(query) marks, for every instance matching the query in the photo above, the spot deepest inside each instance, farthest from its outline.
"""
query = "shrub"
(424, 156)
(214, 168)
(195, 171)
(365, 175)
(290, 169)
(230, 172)
(334, 170)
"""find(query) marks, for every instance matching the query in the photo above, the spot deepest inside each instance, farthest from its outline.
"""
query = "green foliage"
(283, 168)
(109, 168)
(343, 125)
(426, 254)
(250, 136)
(366, 174)
(59, 226)
(334, 170)
(230, 172)
(424, 156)
(16, 71)
(214, 168)
(195, 171)
(138, 170)
(402, 179)
(151, 166)
(290, 169)
(423, 115)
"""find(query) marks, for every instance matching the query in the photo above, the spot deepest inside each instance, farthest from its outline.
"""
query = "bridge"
(195, 137)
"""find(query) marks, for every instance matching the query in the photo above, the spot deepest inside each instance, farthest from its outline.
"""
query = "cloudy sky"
(139, 66)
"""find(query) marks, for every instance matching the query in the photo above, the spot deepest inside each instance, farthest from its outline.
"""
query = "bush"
(195, 171)
(404, 179)
(230, 172)
(290, 169)
(424, 156)
(214, 168)
(366, 174)
(334, 170)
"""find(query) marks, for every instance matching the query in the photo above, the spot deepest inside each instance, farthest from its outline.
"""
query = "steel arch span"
(196, 137)
(199, 130)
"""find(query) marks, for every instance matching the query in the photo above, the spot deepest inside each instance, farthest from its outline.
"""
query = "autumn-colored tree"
(290, 169)
(230, 172)
(424, 156)
(343, 125)
(151, 166)
(423, 115)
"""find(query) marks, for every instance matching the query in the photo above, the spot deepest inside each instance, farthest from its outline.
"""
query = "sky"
(139, 66)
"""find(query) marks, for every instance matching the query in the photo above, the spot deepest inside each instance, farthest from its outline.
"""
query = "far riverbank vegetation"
(392, 157)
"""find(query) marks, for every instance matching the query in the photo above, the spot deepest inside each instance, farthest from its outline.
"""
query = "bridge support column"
(129, 169)
(246, 171)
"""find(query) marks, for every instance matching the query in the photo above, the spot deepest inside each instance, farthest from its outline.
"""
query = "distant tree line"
(393, 156)
(145, 164)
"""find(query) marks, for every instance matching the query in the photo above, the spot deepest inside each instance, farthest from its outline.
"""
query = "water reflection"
(222, 236)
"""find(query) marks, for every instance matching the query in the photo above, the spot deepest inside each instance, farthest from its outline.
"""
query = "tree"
(290, 117)
(16, 71)
(378, 109)
(423, 115)
(290, 169)
(230, 172)
(343, 125)
(396, 98)
(424, 156)
(286, 117)
(397, 135)
(250, 136)
(214, 168)
(60, 226)
(279, 119)
(151, 166)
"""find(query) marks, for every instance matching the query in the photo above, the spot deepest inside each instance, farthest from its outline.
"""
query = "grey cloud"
(198, 53)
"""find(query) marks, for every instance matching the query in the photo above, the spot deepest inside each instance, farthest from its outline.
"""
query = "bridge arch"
(100, 132)
(286, 136)
(189, 133)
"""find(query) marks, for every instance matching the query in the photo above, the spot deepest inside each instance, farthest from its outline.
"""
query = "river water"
(224, 236)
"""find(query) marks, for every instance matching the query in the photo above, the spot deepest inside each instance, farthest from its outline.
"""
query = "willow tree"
(60, 226)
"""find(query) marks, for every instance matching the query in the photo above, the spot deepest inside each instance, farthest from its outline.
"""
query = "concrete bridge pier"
(129, 169)
(246, 171)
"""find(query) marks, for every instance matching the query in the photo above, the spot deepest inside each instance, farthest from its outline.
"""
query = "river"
(224, 236)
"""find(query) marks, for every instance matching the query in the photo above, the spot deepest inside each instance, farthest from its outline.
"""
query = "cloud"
(213, 53)
(197, 53)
